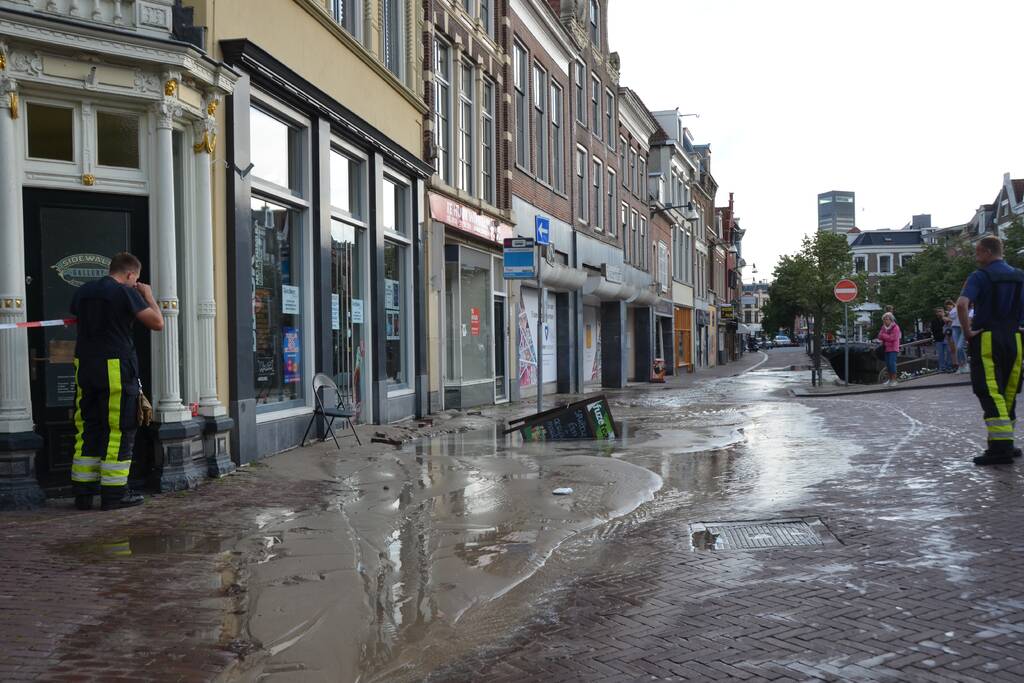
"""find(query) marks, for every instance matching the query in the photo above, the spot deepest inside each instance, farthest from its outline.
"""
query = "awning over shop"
(562, 278)
(743, 329)
(645, 296)
(598, 286)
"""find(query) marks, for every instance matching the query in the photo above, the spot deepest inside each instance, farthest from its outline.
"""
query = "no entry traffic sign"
(846, 291)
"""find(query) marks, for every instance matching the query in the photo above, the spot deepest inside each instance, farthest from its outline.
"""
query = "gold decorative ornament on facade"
(208, 143)
(88, 179)
(211, 108)
(170, 87)
(13, 104)
(3, 61)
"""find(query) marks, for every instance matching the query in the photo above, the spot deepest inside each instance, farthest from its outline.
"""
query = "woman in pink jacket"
(890, 336)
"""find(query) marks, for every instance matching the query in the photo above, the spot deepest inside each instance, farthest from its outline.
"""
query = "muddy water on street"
(404, 564)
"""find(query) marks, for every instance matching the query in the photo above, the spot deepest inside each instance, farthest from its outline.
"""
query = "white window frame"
(581, 93)
(861, 258)
(395, 176)
(301, 203)
(612, 191)
(467, 135)
(595, 106)
(521, 103)
(597, 179)
(399, 40)
(889, 269)
(556, 104)
(609, 117)
(539, 106)
(443, 124)
(488, 169)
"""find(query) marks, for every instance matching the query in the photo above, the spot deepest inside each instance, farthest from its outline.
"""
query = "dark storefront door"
(500, 352)
(69, 239)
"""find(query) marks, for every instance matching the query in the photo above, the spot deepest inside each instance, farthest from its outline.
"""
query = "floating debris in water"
(562, 491)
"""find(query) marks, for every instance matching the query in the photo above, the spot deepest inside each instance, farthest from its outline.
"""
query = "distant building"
(882, 252)
(753, 300)
(837, 211)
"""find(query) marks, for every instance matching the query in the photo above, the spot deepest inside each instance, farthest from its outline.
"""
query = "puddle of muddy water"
(382, 573)
(175, 543)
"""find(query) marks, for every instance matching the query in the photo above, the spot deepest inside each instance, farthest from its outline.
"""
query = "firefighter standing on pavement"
(107, 375)
(994, 340)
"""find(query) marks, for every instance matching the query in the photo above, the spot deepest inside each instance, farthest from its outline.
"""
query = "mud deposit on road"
(404, 564)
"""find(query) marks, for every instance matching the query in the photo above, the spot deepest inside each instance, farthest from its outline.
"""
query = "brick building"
(468, 202)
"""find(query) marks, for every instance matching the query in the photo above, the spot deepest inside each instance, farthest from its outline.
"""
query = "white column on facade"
(206, 305)
(168, 399)
(15, 405)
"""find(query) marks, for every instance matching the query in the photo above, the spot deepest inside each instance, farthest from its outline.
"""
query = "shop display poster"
(289, 300)
(292, 356)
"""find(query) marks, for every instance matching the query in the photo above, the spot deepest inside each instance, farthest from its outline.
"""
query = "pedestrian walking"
(938, 327)
(890, 337)
(994, 341)
(107, 378)
(959, 342)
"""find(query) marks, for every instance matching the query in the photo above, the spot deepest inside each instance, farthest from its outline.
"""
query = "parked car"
(782, 340)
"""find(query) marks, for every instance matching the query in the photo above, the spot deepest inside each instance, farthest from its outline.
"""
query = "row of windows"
(602, 125)
(460, 160)
(633, 169)
(482, 10)
(885, 263)
(349, 15)
(543, 114)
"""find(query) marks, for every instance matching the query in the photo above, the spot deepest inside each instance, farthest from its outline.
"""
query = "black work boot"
(127, 500)
(83, 501)
(996, 456)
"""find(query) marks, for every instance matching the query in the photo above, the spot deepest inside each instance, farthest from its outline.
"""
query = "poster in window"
(393, 326)
(474, 322)
(391, 294)
(357, 311)
(335, 312)
(289, 300)
(292, 347)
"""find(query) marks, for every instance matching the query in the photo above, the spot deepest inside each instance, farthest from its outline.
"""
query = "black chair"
(342, 408)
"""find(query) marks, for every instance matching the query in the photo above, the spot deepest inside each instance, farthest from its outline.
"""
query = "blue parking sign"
(543, 230)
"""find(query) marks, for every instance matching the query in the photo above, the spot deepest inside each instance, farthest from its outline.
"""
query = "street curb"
(887, 390)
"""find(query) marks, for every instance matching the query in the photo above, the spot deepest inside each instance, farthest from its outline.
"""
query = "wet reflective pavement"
(451, 559)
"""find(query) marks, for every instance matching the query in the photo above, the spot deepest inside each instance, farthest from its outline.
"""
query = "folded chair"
(342, 408)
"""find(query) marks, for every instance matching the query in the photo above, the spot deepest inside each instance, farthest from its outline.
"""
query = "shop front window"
(396, 311)
(469, 352)
(348, 312)
(277, 303)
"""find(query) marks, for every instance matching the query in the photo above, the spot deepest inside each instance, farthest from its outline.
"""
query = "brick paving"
(142, 594)
(926, 586)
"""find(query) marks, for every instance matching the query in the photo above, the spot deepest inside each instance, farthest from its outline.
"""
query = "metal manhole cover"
(760, 534)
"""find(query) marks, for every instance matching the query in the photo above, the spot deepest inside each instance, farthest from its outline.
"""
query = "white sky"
(908, 103)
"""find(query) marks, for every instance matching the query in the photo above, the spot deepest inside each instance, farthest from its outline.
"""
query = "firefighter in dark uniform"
(107, 375)
(994, 341)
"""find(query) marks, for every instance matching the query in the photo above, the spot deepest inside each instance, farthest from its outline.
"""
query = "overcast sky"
(915, 105)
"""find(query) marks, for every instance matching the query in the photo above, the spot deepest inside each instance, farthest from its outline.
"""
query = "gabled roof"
(886, 238)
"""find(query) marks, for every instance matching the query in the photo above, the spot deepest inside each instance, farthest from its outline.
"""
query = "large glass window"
(540, 124)
(51, 132)
(442, 110)
(469, 310)
(277, 302)
(632, 169)
(557, 140)
(396, 311)
(597, 177)
(633, 243)
(274, 151)
(347, 183)
(519, 74)
(594, 20)
(467, 112)
(487, 163)
(643, 243)
(487, 16)
(349, 313)
(595, 105)
(117, 139)
(397, 322)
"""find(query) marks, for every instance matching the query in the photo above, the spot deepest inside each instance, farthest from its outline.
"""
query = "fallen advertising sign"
(586, 419)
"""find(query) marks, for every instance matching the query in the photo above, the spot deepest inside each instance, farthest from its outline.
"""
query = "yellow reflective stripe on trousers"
(79, 422)
(114, 408)
(1010, 394)
(988, 363)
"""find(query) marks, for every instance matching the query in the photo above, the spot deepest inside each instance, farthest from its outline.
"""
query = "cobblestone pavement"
(926, 584)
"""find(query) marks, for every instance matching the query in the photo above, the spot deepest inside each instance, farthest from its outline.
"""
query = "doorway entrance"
(69, 239)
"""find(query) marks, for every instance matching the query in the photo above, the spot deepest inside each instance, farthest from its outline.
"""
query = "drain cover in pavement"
(760, 534)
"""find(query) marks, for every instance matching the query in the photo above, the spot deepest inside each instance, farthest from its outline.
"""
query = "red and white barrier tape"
(62, 322)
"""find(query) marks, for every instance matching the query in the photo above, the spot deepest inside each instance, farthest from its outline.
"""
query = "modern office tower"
(837, 211)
